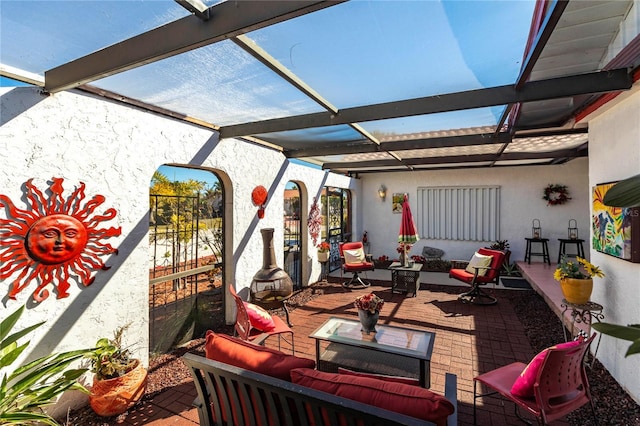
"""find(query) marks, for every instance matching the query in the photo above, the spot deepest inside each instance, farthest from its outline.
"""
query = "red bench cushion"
(270, 362)
(395, 379)
(401, 398)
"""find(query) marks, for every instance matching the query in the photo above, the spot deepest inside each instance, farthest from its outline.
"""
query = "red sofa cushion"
(270, 362)
(401, 398)
(394, 379)
(523, 386)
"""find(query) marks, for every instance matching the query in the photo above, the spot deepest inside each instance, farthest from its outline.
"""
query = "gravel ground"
(613, 405)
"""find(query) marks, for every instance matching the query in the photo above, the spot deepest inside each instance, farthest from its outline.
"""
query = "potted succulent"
(119, 380)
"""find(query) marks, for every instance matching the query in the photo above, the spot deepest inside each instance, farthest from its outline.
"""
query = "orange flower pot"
(115, 396)
(576, 290)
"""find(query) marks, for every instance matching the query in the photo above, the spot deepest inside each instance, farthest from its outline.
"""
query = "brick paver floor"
(469, 340)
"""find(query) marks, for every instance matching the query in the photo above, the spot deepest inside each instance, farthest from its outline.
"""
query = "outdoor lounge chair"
(479, 271)
(560, 385)
(246, 331)
(355, 260)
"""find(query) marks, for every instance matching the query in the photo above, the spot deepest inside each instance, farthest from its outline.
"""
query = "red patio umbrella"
(408, 234)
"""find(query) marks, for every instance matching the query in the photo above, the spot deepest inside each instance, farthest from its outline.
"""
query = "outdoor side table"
(582, 313)
(563, 249)
(405, 279)
(544, 253)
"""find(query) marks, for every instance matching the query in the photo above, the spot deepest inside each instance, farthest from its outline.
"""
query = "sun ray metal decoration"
(55, 239)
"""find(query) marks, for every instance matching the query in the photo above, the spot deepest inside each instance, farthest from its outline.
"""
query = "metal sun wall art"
(55, 239)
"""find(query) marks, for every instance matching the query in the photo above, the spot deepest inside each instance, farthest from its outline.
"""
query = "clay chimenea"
(271, 285)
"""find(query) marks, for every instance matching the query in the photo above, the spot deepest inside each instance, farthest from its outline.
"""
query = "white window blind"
(459, 213)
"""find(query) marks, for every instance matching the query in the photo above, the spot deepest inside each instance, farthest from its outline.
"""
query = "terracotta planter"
(115, 396)
(323, 256)
(576, 290)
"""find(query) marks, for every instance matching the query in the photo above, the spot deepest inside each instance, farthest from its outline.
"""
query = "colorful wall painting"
(615, 230)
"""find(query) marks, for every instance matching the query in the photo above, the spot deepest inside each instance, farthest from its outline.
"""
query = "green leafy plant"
(570, 269)
(510, 270)
(29, 388)
(109, 359)
(500, 245)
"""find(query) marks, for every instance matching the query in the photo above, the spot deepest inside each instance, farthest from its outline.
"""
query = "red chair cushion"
(270, 362)
(258, 317)
(405, 399)
(523, 386)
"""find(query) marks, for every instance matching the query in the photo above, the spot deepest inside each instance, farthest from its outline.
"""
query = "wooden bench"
(283, 403)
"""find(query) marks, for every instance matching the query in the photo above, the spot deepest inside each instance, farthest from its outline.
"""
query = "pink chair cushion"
(523, 386)
(259, 317)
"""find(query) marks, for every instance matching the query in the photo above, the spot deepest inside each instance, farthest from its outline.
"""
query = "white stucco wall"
(521, 191)
(614, 154)
(115, 149)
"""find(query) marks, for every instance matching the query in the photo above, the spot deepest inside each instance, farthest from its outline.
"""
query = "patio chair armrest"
(451, 393)
(459, 264)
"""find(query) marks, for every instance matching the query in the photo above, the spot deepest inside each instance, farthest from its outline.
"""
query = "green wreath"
(556, 195)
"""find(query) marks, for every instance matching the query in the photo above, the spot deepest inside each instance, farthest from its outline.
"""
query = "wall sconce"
(382, 192)
(573, 229)
(536, 230)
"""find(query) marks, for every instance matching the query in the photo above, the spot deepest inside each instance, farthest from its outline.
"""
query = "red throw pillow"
(270, 362)
(394, 379)
(523, 386)
(405, 399)
(259, 317)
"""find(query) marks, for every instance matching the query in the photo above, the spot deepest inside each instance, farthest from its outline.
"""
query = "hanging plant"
(556, 195)
(314, 222)
(259, 199)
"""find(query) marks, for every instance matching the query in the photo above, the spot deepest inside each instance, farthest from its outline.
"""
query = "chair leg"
(593, 411)
(356, 282)
(477, 297)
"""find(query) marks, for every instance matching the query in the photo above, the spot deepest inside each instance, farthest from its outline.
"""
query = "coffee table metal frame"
(388, 339)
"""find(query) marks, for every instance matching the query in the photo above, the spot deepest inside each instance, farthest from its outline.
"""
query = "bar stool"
(579, 248)
(544, 253)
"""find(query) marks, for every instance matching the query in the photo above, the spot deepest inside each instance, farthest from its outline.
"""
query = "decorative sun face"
(53, 240)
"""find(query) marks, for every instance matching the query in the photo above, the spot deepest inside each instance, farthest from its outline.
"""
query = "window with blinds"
(469, 213)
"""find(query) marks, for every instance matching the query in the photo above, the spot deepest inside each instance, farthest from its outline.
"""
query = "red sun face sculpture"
(53, 240)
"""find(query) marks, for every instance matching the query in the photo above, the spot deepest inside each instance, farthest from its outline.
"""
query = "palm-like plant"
(29, 388)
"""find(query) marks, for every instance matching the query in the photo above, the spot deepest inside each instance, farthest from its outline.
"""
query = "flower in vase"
(369, 302)
(570, 269)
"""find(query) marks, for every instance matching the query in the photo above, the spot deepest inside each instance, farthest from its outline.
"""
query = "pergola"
(352, 87)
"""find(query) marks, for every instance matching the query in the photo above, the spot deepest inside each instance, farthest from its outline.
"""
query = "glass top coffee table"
(396, 351)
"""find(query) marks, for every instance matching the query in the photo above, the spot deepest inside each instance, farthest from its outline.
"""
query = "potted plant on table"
(369, 306)
(119, 380)
(576, 279)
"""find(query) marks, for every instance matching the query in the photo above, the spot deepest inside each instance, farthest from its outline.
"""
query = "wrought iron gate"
(293, 234)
